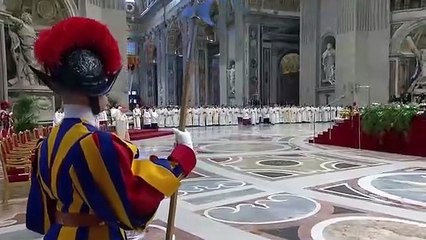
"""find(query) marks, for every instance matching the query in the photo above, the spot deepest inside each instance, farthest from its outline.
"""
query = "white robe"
(189, 117)
(146, 118)
(228, 116)
(114, 114)
(176, 117)
(196, 117)
(203, 116)
(161, 117)
(273, 115)
(137, 113)
(169, 118)
(209, 117)
(122, 125)
(215, 116)
(154, 117)
(235, 113)
(253, 116)
(222, 117)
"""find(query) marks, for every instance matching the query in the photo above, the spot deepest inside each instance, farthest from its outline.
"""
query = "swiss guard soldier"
(87, 183)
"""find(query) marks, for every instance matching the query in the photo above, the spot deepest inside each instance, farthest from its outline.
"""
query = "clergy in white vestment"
(58, 117)
(304, 112)
(258, 115)
(222, 116)
(154, 118)
(103, 120)
(228, 116)
(253, 116)
(146, 119)
(169, 117)
(235, 113)
(277, 114)
(114, 112)
(196, 117)
(189, 114)
(246, 116)
(161, 117)
(176, 116)
(273, 116)
(122, 124)
(209, 116)
(203, 116)
(265, 114)
(137, 113)
(281, 113)
(215, 116)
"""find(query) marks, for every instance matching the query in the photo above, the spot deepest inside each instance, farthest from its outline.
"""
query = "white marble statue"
(231, 80)
(23, 37)
(329, 63)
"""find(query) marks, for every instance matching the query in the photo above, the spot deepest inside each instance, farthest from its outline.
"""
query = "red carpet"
(148, 133)
(345, 134)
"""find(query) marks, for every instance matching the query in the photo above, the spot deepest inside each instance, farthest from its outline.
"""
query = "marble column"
(362, 51)
(3, 66)
(309, 55)
(222, 33)
(112, 13)
(162, 67)
(240, 47)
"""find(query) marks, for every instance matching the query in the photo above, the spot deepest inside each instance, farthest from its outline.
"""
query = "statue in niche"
(231, 79)
(329, 64)
(22, 38)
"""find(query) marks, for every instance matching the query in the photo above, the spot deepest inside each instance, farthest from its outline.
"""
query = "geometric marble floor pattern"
(268, 182)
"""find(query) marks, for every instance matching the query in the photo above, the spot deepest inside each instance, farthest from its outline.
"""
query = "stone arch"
(401, 33)
(289, 63)
(44, 13)
(288, 78)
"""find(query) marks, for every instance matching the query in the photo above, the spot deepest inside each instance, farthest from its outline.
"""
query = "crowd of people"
(168, 117)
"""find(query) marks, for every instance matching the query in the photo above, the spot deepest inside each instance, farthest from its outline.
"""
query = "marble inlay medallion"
(194, 186)
(278, 208)
(404, 187)
(368, 228)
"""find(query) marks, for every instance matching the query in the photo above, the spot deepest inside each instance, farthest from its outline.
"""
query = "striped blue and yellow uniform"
(79, 169)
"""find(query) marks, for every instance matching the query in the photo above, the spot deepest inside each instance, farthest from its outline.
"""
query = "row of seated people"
(16, 152)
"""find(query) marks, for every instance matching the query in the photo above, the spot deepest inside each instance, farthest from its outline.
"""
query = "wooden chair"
(14, 149)
(16, 172)
(45, 131)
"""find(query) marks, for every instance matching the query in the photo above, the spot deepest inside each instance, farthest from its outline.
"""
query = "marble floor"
(268, 182)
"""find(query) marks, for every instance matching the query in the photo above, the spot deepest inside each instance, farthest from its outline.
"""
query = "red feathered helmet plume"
(78, 55)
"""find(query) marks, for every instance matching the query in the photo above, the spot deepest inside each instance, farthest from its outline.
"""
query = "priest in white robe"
(137, 113)
(154, 118)
(222, 116)
(122, 124)
(146, 119)
(209, 116)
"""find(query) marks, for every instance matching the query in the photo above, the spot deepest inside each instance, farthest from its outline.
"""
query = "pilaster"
(241, 45)
(222, 32)
(162, 68)
(309, 25)
(111, 12)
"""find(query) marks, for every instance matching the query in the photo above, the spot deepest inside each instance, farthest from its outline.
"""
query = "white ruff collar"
(79, 111)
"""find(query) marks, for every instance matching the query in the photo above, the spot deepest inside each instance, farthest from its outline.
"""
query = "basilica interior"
(263, 181)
